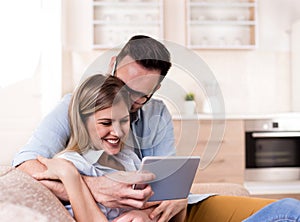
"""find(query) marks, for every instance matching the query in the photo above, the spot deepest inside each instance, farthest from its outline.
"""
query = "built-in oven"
(272, 149)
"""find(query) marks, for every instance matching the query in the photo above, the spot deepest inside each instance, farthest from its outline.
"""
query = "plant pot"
(189, 107)
(206, 106)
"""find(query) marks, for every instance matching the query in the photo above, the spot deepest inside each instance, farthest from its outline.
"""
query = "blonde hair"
(96, 93)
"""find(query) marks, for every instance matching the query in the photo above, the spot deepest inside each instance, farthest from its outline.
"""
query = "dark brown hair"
(147, 52)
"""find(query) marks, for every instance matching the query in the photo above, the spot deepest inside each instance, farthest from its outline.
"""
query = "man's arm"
(110, 192)
(115, 190)
(49, 138)
(31, 167)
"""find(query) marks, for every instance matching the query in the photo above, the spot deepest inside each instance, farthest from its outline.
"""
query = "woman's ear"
(112, 65)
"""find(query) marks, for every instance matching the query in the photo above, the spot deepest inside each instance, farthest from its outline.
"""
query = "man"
(142, 64)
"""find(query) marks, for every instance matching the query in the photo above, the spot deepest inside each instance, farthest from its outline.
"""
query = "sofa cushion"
(25, 199)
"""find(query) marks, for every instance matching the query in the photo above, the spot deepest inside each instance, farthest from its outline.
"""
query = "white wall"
(33, 62)
(295, 65)
(19, 114)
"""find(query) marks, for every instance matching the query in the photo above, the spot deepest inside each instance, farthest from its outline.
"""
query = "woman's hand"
(57, 169)
(169, 209)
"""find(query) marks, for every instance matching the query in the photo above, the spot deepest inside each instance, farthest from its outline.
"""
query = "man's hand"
(170, 209)
(116, 189)
(32, 167)
(135, 216)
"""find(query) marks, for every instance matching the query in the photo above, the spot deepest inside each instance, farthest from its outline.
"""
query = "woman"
(100, 123)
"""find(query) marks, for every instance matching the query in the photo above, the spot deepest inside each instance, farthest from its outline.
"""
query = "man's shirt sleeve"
(50, 137)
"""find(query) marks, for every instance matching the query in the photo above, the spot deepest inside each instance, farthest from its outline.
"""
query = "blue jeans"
(285, 210)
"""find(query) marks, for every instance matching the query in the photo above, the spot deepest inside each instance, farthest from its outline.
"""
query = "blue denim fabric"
(285, 210)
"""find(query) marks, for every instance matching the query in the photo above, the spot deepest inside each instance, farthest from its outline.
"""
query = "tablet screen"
(174, 175)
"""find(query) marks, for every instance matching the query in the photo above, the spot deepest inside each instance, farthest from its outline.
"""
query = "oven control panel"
(284, 124)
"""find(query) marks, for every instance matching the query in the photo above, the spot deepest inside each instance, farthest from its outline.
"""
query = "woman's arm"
(83, 204)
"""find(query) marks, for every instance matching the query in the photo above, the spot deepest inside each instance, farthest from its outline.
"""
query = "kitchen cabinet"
(112, 25)
(221, 24)
(228, 164)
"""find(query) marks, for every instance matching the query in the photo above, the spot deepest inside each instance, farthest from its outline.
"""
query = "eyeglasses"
(136, 96)
(113, 72)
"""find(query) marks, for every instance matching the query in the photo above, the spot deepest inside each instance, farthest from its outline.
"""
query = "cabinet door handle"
(276, 134)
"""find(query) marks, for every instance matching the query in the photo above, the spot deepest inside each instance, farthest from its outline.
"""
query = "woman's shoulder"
(82, 165)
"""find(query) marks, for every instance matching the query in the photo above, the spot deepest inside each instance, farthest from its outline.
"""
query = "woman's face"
(109, 128)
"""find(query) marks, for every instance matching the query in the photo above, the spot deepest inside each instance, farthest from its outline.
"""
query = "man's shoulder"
(66, 98)
(154, 104)
(155, 107)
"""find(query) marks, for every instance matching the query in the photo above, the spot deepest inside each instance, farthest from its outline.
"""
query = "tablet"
(174, 175)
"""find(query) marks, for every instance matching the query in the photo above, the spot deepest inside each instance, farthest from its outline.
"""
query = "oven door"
(272, 156)
(272, 149)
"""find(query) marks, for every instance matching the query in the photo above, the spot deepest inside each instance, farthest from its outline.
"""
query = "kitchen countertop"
(273, 187)
(205, 116)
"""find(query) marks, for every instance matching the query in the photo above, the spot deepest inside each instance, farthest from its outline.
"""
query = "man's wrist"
(31, 167)
(90, 181)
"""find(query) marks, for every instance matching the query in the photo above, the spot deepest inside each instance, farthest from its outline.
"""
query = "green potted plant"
(190, 97)
(189, 104)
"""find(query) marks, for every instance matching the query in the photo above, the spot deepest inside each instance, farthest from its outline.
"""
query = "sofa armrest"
(22, 198)
(230, 189)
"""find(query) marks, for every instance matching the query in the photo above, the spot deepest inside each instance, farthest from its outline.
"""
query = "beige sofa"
(24, 199)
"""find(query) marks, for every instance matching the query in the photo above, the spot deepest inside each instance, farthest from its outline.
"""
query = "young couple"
(100, 123)
(106, 135)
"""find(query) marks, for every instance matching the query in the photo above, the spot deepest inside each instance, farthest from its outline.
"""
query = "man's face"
(142, 82)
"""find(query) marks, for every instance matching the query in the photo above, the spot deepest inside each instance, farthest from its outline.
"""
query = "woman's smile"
(112, 141)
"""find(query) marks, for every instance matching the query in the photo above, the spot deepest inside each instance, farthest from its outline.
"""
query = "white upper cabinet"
(221, 24)
(114, 22)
